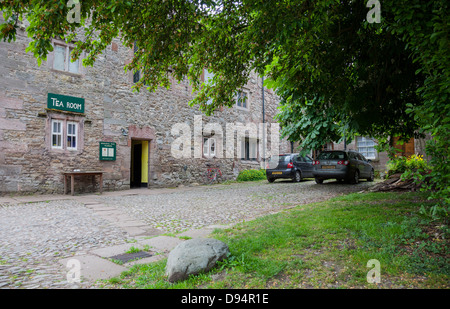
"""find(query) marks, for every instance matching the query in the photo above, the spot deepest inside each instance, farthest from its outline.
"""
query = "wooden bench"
(72, 179)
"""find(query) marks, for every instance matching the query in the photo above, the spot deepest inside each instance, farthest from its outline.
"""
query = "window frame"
(207, 76)
(246, 151)
(60, 134)
(65, 120)
(68, 47)
(247, 101)
(67, 63)
(137, 73)
(75, 135)
(206, 145)
(363, 139)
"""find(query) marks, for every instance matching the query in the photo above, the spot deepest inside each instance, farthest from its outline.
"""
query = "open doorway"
(139, 164)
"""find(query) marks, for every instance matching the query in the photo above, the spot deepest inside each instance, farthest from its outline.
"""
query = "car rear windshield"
(332, 155)
(281, 158)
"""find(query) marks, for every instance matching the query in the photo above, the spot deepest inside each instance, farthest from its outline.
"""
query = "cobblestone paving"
(35, 236)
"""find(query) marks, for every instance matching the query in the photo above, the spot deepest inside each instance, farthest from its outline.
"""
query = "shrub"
(251, 175)
(407, 164)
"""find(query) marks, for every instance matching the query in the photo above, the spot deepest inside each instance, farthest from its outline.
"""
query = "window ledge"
(79, 75)
(245, 109)
(256, 161)
(61, 112)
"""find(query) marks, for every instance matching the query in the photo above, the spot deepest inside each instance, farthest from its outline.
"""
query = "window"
(209, 147)
(242, 100)
(366, 146)
(207, 77)
(301, 159)
(64, 134)
(61, 59)
(137, 74)
(249, 148)
(72, 133)
(57, 134)
(332, 155)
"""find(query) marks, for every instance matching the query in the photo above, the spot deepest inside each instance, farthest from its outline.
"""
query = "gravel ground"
(35, 236)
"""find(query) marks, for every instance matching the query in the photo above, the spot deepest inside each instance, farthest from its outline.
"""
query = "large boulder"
(194, 256)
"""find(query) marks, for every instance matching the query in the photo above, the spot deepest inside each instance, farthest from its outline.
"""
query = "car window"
(308, 159)
(362, 157)
(332, 155)
(299, 159)
(351, 155)
(280, 158)
(358, 156)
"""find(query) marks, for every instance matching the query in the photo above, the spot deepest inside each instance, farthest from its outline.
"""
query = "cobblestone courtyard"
(35, 236)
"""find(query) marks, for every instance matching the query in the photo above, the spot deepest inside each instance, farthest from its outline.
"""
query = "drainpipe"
(263, 121)
(345, 138)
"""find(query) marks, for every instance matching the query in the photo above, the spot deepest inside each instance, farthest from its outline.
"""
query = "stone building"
(367, 147)
(61, 116)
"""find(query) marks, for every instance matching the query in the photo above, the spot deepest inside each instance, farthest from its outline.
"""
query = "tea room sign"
(65, 103)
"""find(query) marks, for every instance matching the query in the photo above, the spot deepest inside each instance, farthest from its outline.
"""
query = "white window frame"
(74, 134)
(364, 144)
(60, 134)
(68, 50)
(209, 151)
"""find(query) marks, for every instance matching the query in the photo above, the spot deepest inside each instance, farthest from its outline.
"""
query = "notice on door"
(107, 151)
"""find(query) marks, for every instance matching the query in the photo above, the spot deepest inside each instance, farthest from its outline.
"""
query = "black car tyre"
(319, 181)
(355, 179)
(297, 177)
(372, 176)
(270, 180)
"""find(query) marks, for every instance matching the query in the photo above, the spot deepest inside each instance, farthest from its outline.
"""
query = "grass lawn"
(323, 245)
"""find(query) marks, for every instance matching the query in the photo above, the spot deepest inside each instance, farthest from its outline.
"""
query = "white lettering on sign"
(57, 103)
(73, 105)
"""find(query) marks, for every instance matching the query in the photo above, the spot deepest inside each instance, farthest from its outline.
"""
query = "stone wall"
(113, 113)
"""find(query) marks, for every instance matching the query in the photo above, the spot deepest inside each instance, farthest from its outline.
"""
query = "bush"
(407, 164)
(251, 175)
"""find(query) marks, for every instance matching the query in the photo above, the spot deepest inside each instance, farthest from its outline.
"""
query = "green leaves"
(335, 73)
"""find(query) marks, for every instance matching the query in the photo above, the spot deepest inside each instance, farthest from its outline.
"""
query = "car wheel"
(355, 179)
(297, 177)
(270, 180)
(319, 181)
(372, 176)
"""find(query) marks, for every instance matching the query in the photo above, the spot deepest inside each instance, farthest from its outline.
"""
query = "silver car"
(341, 165)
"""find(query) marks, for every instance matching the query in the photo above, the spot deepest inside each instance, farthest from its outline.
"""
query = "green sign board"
(107, 151)
(65, 103)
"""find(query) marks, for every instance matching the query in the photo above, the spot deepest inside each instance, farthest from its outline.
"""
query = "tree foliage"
(335, 72)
